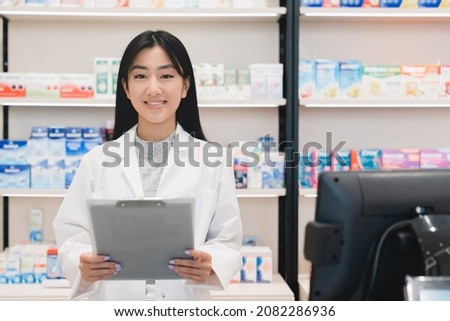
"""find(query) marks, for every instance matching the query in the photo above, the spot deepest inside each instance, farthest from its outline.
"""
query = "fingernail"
(188, 252)
(171, 262)
(117, 267)
(171, 267)
(106, 258)
(115, 273)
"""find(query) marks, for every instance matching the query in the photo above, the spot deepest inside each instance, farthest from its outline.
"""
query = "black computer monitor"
(362, 243)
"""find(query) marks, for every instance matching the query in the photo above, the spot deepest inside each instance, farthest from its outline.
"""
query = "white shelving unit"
(17, 192)
(65, 40)
(376, 36)
(143, 15)
(376, 103)
(110, 103)
(275, 291)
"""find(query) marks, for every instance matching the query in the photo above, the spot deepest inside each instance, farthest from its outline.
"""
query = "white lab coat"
(218, 229)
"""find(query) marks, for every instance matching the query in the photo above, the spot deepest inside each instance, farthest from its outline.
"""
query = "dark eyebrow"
(168, 66)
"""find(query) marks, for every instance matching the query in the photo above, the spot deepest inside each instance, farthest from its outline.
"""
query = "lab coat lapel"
(177, 156)
(129, 163)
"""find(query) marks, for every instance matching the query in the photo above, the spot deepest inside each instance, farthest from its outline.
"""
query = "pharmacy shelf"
(308, 192)
(109, 103)
(44, 14)
(34, 192)
(303, 281)
(376, 103)
(278, 290)
(375, 14)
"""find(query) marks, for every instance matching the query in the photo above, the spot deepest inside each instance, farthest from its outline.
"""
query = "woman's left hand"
(197, 269)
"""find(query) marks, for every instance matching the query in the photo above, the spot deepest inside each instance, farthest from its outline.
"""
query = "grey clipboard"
(142, 235)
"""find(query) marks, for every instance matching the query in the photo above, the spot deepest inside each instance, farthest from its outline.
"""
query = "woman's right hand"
(97, 267)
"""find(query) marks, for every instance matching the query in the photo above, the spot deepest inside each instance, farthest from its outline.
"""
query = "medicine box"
(12, 84)
(243, 84)
(257, 264)
(365, 159)
(382, 81)
(230, 83)
(410, 4)
(42, 85)
(74, 152)
(56, 156)
(39, 157)
(400, 159)
(360, 3)
(307, 171)
(435, 158)
(340, 160)
(111, 3)
(77, 85)
(274, 81)
(258, 81)
(214, 3)
(306, 79)
(327, 78)
(420, 81)
(444, 81)
(103, 78)
(14, 176)
(14, 151)
(92, 137)
(320, 3)
(350, 79)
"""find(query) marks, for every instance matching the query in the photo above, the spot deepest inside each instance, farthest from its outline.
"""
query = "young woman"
(156, 107)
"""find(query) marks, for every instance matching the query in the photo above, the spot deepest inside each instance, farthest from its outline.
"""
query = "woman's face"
(155, 89)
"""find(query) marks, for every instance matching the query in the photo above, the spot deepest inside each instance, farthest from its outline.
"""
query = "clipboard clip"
(157, 203)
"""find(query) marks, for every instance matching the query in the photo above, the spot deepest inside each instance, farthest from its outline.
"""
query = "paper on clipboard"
(142, 235)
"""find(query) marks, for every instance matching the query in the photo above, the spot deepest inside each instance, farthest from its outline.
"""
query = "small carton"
(14, 176)
(382, 81)
(14, 152)
(400, 159)
(409, 4)
(77, 85)
(340, 161)
(12, 84)
(420, 81)
(39, 157)
(444, 81)
(350, 79)
(274, 81)
(230, 83)
(320, 3)
(366, 159)
(243, 84)
(307, 170)
(306, 79)
(74, 152)
(42, 85)
(258, 81)
(435, 158)
(327, 78)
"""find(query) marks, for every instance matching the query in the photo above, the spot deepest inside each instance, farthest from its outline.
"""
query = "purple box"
(435, 158)
(400, 159)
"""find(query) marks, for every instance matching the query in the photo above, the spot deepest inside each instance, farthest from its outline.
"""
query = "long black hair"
(187, 113)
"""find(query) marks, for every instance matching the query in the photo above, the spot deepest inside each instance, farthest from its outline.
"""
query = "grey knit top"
(152, 157)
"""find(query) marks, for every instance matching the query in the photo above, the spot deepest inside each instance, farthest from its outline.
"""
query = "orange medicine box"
(12, 85)
(420, 81)
(76, 86)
